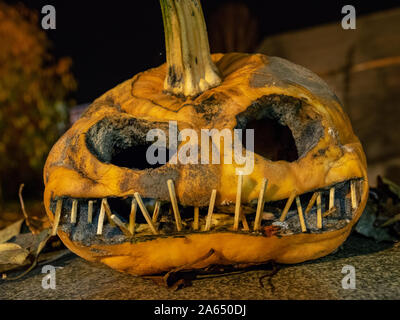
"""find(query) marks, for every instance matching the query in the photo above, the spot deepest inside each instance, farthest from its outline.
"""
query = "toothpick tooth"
(145, 213)
(196, 218)
(319, 211)
(101, 217)
(331, 197)
(108, 212)
(244, 221)
(210, 210)
(90, 211)
(74, 211)
(260, 205)
(329, 212)
(301, 217)
(132, 216)
(359, 191)
(311, 203)
(156, 211)
(174, 202)
(121, 225)
(353, 194)
(287, 206)
(238, 202)
(57, 216)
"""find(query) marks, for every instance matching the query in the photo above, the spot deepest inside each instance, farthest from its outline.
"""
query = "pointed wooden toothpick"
(311, 203)
(90, 211)
(319, 211)
(121, 225)
(57, 216)
(331, 197)
(238, 202)
(132, 216)
(156, 211)
(244, 221)
(174, 202)
(101, 217)
(210, 210)
(260, 205)
(145, 213)
(353, 194)
(108, 212)
(329, 212)
(287, 206)
(301, 217)
(74, 211)
(196, 218)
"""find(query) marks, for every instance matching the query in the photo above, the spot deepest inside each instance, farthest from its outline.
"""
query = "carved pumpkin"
(307, 189)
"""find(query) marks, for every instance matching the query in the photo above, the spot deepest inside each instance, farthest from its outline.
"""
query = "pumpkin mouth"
(133, 219)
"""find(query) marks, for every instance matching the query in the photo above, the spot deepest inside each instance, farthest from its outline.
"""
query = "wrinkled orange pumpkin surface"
(304, 145)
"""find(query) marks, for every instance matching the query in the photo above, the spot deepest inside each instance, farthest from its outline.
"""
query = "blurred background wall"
(363, 68)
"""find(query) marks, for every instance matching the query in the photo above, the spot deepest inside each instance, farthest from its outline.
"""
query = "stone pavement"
(377, 268)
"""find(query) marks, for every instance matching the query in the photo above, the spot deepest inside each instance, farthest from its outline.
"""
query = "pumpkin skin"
(73, 170)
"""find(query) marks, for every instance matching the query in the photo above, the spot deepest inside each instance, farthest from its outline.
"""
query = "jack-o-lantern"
(307, 188)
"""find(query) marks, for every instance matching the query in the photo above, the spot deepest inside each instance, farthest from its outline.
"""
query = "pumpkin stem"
(190, 68)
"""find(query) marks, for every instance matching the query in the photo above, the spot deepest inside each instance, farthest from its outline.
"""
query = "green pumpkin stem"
(190, 68)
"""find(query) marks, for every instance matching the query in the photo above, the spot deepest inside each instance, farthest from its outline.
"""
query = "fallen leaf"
(43, 259)
(11, 253)
(36, 221)
(10, 231)
(391, 221)
(393, 187)
(42, 239)
(366, 224)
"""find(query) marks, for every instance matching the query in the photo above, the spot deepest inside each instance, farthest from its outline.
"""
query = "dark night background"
(110, 41)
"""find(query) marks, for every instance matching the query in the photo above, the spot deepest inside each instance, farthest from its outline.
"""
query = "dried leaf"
(42, 239)
(393, 187)
(43, 259)
(391, 221)
(36, 222)
(366, 224)
(10, 231)
(11, 253)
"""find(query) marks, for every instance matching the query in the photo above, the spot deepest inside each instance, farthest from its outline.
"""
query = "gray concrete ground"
(377, 267)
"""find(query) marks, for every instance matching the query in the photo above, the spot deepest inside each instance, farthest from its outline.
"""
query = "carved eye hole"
(122, 142)
(133, 157)
(284, 127)
(272, 140)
